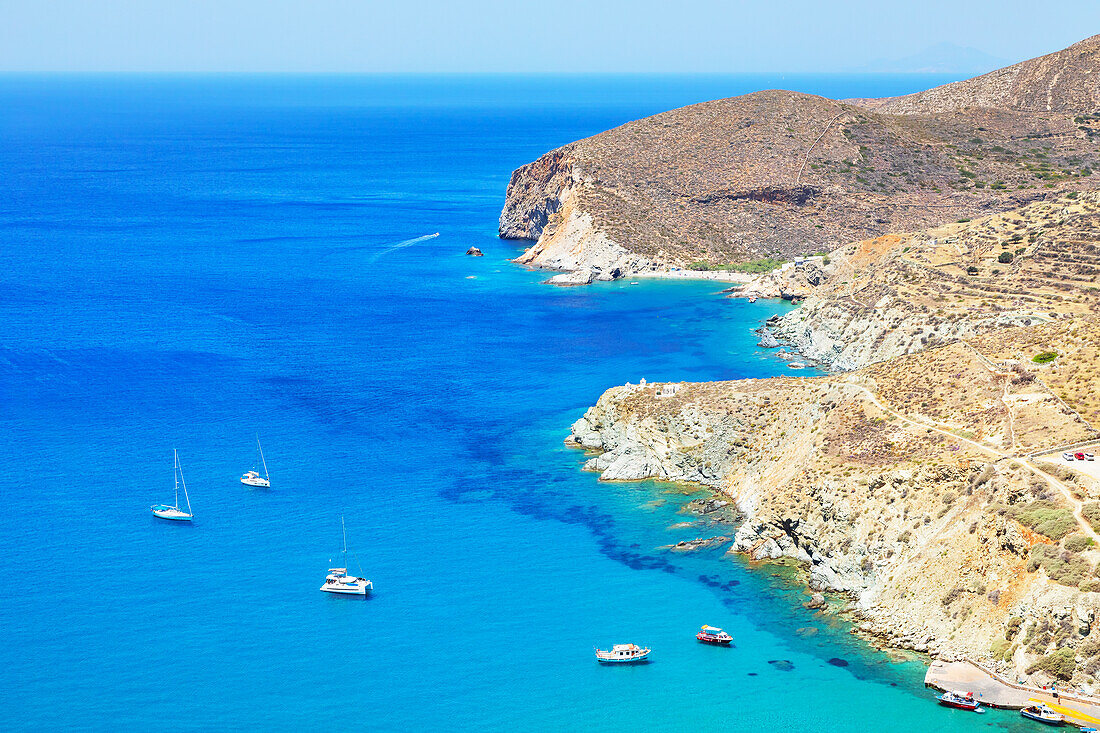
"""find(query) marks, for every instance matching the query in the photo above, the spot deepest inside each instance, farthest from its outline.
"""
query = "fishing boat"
(174, 512)
(253, 478)
(714, 635)
(1043, 714)
(338, 580)
(962, 701)
(623, 654)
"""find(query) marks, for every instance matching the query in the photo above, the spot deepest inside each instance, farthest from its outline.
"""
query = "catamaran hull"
(257, 483)
(346, 591)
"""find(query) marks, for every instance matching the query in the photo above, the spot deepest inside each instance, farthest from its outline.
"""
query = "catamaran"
(174, 512)
(338, 580)
(253, 478)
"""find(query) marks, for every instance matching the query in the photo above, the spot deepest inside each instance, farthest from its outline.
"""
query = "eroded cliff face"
(920, 528)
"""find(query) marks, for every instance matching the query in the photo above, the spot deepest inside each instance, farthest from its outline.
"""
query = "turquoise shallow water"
(185, 262)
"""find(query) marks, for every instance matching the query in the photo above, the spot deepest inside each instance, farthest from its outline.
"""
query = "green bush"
(1077, 542)
(1060, 664)
(1045, 517)
(1064, 568)
(972, 270)
(763, 265)
(1004, 258)
(1045, 357)
(1091, 512)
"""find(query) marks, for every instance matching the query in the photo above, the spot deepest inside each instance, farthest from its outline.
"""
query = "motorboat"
(962, 701)
(1043, 714)
(175, 512)
(714, 635)
(623, 654)
(338, 580)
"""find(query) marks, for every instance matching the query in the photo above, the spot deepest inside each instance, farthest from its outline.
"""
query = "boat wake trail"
(392, 248)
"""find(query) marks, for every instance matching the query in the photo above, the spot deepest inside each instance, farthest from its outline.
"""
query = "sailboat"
(338, 580)
(174, 512)
(252, 478)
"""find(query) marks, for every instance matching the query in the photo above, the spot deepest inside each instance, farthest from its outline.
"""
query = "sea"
(191, 262)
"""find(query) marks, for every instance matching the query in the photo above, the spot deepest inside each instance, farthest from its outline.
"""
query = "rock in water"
(474, 252)
(767, 340)
(816, 601)
(577, 277)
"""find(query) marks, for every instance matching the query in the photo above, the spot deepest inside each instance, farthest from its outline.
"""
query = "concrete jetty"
(997, 692)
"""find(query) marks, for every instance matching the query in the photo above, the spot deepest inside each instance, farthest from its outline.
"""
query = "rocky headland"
(779, 174)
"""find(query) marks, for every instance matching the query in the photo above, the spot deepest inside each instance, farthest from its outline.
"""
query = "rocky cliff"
(777, 174)
(895, 484)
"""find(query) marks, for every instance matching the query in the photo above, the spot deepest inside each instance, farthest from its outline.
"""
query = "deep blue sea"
(187, 262)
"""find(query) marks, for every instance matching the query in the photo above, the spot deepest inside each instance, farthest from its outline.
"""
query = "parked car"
(1067, 456)
(1090, 457)
(1079, 456)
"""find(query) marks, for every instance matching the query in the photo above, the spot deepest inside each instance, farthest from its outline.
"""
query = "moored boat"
(623, 654)
(174, 512)
(1043, 714)
(253, 477)
(962, 701)
(338, 580)
(714, 635)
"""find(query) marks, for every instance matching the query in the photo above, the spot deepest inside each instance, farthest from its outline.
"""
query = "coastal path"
(995, 691)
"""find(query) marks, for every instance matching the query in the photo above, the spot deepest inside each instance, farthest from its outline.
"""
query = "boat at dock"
(174, 512)
(338, 580)
(1043, 714)
(962, 701)
(253, 477)
(623, 654)
(714, 635)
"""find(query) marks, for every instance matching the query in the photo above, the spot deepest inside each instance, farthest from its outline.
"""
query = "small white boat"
(1043, 714)
(174, 512)
(338, 580)
(796, 365)
(253, 478)
(623, 654)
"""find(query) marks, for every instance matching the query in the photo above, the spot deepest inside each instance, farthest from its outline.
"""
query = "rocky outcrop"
(474, 252)
(901, 293)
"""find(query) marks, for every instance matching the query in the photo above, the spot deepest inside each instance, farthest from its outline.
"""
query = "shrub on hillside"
(1045, 357)
(1077, 542)
(1092, 513)
(1045, 517)
(1060, 664)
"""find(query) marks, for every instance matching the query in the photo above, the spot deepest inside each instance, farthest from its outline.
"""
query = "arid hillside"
(1064, 81)
(900, 293)
(779, 173)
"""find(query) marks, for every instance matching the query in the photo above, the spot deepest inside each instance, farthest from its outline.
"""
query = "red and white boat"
(714, 635)
(623, 654)
(962, 701)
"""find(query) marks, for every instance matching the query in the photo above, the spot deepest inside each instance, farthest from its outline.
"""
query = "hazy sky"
(512, 35)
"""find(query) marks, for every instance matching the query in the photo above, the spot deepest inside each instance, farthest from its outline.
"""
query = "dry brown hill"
(1065, 81)
(779, 173)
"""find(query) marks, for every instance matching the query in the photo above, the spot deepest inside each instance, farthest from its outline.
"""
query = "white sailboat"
(338, 580)
(252, 478)
(174, 512)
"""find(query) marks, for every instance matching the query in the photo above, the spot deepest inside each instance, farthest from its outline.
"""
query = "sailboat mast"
(185, 496)
(176, 475)
(345, 530)
(264, 462)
